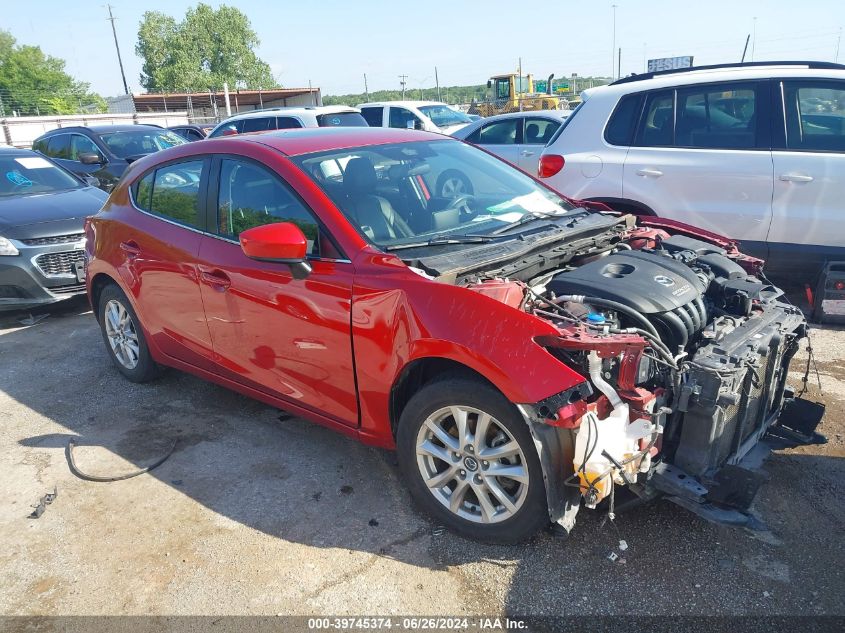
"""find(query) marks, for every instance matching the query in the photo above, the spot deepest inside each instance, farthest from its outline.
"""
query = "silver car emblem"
(663, 280)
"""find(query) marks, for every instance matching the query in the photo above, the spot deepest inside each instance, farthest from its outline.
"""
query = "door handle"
(526, 152)
(131, 249)
(796, 178)
(654, 173)
(217, 279)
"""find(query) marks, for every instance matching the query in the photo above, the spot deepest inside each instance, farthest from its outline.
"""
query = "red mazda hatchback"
(524, 355)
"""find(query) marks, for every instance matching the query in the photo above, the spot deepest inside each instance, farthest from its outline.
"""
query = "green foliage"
(33, 83)
(449, 94)
(202, 51)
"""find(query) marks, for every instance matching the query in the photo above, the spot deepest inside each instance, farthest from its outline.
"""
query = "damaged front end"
(685, 352)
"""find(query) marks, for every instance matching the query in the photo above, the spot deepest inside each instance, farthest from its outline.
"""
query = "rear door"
(536, 132)
(809, 187)
(701, 155)
(286, 337)
(160, 247)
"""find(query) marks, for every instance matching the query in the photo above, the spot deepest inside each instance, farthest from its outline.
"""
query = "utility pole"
(519, 84)
(402, 81)
(437, 83)
(619, 65)
(117, 48)
(613, 48)
(366, 91)
(838, 39)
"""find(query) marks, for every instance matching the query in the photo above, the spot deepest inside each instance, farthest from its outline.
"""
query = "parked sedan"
(525, 356)
(42, 209)
(104, 151)
(518, 137)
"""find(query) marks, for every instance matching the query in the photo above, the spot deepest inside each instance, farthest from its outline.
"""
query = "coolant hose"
(594, 364)
(643, 323)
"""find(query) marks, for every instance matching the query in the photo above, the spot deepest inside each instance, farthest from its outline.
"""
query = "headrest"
(359, 176)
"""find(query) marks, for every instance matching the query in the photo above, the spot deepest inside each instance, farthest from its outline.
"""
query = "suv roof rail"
(673, 71)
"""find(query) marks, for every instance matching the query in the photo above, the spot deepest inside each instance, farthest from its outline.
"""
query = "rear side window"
(172, 192)
(341, 119)
(717, 117)
(287, 123)
(815, 115)
(258, 124)
(373, 116)
(538, 131)
(623, 121)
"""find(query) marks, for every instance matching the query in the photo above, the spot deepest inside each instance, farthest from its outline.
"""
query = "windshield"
(341, 119)
(444, 116)
(412, 193)
(24, 175)
(134, 142)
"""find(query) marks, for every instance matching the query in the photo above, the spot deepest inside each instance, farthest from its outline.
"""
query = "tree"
(33, 83)
(202, 51)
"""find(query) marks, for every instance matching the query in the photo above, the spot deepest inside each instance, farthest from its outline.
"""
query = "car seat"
(373, 213)
(532, 134)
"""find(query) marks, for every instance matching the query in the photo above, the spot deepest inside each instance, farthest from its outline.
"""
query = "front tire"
(469, 460)
(124, 337)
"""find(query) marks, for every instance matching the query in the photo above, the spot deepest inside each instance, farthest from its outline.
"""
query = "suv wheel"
(469, 460)
(124, 337)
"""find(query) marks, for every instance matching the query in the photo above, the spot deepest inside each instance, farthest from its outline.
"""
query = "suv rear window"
(341, 119)
(623, 121)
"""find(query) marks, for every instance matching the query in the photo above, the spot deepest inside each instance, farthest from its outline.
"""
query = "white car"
(752, 151)
(517, 137)
(287, 118)
(430, 116)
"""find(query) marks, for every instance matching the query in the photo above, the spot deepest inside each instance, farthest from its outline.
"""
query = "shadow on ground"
(302, 483)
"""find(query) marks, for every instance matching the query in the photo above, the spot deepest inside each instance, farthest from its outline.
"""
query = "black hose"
(644, 323)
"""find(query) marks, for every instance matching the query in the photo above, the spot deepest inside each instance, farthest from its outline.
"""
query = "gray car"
(42, 211)
(517, 137)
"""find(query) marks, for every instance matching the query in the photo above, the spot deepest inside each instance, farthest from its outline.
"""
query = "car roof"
(552, 114)
(102, 129)
(7, 150)
(406, 104)
(283, 110)
(715, 74)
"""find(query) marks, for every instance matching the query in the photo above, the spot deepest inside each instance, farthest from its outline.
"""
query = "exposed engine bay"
(683, 344)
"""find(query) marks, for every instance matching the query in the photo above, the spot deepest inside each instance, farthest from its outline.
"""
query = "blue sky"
(334, 42)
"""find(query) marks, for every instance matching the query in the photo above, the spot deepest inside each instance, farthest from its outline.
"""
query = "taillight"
(550, 164)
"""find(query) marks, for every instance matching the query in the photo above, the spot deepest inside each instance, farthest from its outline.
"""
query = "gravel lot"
(254, 514)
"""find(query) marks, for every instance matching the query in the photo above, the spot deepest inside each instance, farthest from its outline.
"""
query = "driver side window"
(251, 196)
(402, 118)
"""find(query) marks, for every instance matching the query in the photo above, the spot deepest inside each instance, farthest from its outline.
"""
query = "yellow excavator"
(509, 91)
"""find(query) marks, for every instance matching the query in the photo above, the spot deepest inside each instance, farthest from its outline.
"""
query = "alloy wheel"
(121, 334)
(472, 464)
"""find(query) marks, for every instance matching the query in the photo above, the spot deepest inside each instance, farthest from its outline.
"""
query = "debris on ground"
(346, 490)
(32, 319)
(46, 500)
(100, 478)
(373, 523)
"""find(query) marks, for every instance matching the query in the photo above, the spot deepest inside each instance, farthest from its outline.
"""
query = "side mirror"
(90, 158)
(281, 243)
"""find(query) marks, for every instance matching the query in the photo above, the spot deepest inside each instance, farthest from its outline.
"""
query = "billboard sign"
(669, 63)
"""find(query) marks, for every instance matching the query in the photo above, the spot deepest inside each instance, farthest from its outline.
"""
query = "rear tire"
(124, 337)
(446, 470)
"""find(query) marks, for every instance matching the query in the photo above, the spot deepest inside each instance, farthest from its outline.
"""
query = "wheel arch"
(420, 372)
(98, 284)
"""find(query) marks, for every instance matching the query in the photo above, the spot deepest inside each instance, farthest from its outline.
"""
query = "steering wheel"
(462, 204)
